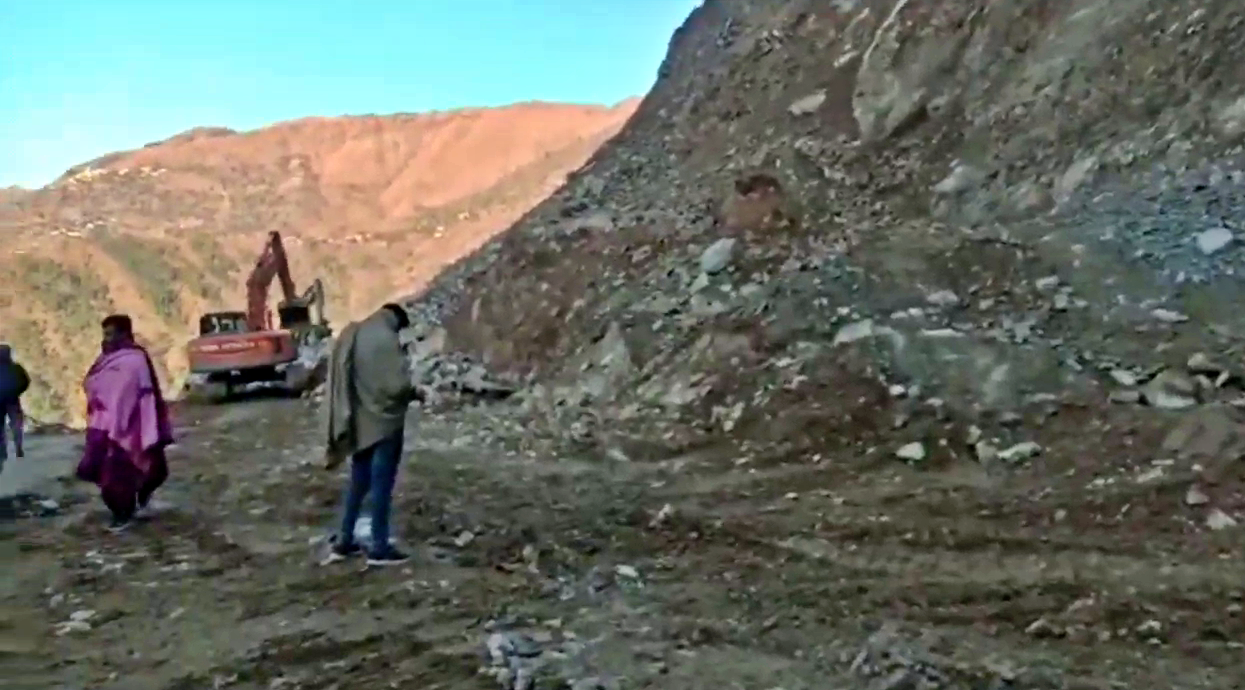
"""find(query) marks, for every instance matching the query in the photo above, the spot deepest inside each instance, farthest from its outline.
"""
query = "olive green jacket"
(369, 387)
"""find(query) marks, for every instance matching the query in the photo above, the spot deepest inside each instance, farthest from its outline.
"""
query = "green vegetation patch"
(78, 300)
(46, 398)
(154, 266)
(218, 266)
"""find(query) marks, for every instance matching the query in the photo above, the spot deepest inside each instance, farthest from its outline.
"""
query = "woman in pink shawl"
(128, 424)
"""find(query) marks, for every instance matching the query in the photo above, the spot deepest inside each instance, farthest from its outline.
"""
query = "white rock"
(1201, 363)
(70, 627)
(666, 512)
(1171, 390)
(1195, 497)
(962, 178)
(853, 332)
(943, 298)
(1041, 628)
(911, 451)
(1219, 520)
(941, 333)
(1046, 284)
(1125, 397)
(808, 104)
(1020, 451)
(1169, 316)
(627, 571)
(718, 256)
(1231, 118)
(1076, 175)
(1124, 378)
(1213, 240)
(861, 330)
(500, 647)
(974, 434)
(1168, 401)
(985, 452)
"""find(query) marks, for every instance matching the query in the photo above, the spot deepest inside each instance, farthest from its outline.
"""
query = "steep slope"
(962, 263)
(11, 194)
(374, 205)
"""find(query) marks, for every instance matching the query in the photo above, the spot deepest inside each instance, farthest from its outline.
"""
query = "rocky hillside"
(1004, 201)
(992, 246)
(373, 205)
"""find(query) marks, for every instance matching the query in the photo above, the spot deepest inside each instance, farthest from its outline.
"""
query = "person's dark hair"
(118, 322)
(404, 320)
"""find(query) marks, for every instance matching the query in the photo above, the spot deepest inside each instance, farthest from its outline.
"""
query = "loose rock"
(718, 256)
(912, 452)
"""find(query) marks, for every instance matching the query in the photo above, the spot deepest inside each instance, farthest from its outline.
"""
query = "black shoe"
(119, 525)
(340, 551)
(387, 556)
(21, 453)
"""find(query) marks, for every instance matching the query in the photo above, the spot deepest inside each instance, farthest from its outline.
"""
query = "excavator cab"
(223, 322)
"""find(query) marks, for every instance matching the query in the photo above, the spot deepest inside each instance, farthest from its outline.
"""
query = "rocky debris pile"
(889, 660)
(1183, 224)
(28, 505)
(456, 372)
(78, 622)
(545, 657)
(436, 369)
(1201, 380)
(887, 663)
(903, 231)
(435, 304)
(441, 373)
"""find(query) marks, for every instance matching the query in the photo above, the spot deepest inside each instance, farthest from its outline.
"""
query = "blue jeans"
(373, 469)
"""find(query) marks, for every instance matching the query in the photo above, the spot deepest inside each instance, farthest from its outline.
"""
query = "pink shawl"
(124, 402)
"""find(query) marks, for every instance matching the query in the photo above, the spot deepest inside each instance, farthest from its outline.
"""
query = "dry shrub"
(758, 204)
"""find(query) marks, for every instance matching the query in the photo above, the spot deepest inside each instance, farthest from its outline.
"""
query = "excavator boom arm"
(272, 263)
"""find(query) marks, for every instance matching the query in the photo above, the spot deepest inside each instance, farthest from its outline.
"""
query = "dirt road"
(715, 569)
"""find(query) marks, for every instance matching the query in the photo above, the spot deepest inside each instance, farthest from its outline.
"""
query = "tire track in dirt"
(737, 582)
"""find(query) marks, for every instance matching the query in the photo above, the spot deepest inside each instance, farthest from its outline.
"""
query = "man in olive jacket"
(369, 390)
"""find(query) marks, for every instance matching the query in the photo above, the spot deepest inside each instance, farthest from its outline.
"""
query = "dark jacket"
(13, 377)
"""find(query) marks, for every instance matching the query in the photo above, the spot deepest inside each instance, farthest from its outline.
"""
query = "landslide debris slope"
(372, 205)
(943, 297)
(792, 417)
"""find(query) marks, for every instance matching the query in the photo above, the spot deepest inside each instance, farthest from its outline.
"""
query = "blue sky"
(80, 78)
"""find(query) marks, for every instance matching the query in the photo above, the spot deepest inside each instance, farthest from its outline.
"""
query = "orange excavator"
(237, 348)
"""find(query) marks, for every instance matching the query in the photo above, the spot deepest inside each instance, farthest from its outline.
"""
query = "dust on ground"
(715, 567)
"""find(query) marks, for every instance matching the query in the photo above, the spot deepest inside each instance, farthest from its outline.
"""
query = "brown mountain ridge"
(373, 205)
